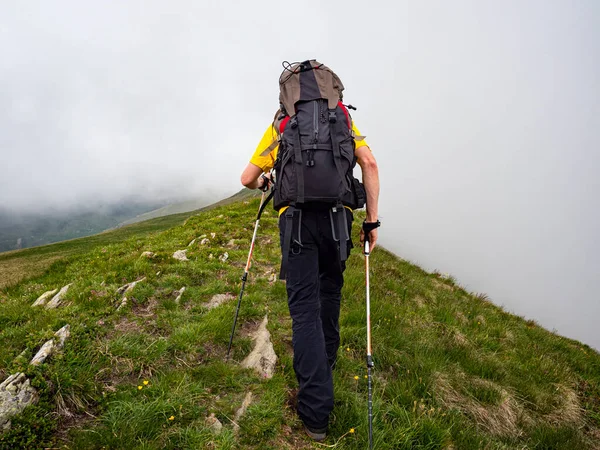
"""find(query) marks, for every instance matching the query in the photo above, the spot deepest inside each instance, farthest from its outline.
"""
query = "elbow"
(246, 180)
(369, 165)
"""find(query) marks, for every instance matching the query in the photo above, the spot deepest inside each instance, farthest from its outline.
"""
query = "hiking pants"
(314, 283)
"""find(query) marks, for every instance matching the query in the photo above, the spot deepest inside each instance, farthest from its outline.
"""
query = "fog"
(484, 119)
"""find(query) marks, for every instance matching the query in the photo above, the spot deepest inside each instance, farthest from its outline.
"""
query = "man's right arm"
(251, 177)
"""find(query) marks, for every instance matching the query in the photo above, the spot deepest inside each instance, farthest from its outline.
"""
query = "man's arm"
(370, 175)
(251, 177)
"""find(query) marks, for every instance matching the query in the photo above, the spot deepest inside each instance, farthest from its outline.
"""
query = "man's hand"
(371, 229)
(264, 182)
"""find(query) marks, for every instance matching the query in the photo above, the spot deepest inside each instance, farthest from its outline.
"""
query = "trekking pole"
(261, 208)
(368, 227)
(369, 354)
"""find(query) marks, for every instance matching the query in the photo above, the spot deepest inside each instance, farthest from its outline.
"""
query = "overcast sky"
(484, 117)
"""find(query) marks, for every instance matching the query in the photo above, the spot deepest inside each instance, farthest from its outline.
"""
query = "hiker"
(313, 145)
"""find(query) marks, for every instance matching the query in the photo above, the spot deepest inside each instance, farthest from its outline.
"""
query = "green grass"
(451, 369)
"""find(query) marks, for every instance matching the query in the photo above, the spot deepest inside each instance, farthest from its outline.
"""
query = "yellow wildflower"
(146, 382)
(351, 430)
(347, 349)
(172, 418)
(140, 387)
(356, 377)
(366, 377)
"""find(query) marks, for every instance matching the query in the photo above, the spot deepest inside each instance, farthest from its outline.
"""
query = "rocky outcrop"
(181, 255)
(16, 394)
(42, 299)
(262, 358)
(58, 298)
(52, 346)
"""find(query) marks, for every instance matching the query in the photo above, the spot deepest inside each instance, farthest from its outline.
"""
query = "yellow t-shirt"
(266, 153)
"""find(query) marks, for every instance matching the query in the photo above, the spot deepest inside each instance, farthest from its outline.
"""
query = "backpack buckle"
(294, 122)
(332, 117)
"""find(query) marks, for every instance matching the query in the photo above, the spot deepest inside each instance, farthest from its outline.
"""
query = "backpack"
(316, 158)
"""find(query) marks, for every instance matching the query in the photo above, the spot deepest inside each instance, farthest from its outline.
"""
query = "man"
(315, 227)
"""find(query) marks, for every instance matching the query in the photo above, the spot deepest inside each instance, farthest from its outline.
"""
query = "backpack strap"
(286, 244)
(298, 160)
(337, 155)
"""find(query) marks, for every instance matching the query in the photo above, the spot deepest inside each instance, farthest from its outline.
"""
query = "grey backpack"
(316, 159)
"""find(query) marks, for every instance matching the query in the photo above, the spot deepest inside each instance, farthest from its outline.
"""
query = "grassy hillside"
(452, 370)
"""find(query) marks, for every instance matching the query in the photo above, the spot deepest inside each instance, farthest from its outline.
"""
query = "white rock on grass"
(148, 255)
(217, 300)
(180, 294)
(204, 241)
(16, 394)
(241, 411)
(128, 287)
(123, 303)
(180, 255)
(224, 257)
(213, 235)
(52, 346)
(42, 299)
(123, 290)
(273, 278)
(262, 358)
(58, 298)
(214, 424)
(192, 242)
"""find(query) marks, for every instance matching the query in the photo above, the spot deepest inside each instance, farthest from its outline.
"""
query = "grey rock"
(58, 298)
(224, 257)
(217, 300)
(16, 394)
(262, 358)
(148, 255)
(214, 424)
(180, 292)
(52, 346)
(204, 241)
(42, 299)
(128, 287)
(180, 255)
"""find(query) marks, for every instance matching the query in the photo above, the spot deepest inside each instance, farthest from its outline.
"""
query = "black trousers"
(314, 283)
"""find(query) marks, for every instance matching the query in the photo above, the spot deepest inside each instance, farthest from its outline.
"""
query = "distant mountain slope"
(33, 229)
(452, 370)
(175, 208)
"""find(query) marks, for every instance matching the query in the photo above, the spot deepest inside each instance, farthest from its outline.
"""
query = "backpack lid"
(308, 80)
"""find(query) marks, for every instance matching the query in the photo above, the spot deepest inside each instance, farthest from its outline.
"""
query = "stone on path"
(262, 358)
(44, 297)
(16, 394)
(217, 300)
(180, 292)
(52, 346)
(180, 255)
(58, 298)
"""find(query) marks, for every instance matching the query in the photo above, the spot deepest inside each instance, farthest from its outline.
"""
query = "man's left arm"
(370, 178)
